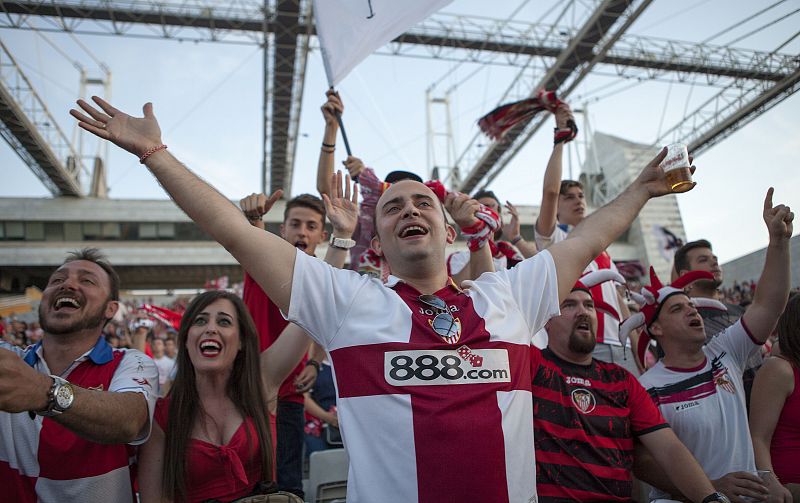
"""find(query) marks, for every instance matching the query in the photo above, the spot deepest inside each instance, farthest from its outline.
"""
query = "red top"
(785, 448)
(270, 323)
(585, 419)
(223, 472)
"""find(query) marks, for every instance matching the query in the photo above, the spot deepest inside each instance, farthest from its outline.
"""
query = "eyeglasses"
(444, 324)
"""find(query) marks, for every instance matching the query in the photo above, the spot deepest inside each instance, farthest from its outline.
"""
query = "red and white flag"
(351, 30)
(166, 316)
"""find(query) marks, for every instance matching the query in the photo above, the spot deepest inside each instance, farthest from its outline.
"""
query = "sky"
(207, 97)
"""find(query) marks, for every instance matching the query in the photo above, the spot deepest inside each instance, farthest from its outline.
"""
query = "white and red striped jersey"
(41, 460)
(425, 419)
(607, 325)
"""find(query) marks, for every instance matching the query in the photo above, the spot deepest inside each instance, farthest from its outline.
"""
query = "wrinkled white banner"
(350, 30)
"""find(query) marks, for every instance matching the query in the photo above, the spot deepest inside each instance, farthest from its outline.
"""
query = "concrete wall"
(748, 267)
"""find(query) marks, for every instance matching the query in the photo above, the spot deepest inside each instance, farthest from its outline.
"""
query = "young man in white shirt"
(699, 387)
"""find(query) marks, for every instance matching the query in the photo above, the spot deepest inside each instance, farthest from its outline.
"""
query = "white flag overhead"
(350, 30)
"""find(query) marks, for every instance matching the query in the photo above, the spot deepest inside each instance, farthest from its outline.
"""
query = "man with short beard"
(71, 407)
(588, 412)
(563, 208)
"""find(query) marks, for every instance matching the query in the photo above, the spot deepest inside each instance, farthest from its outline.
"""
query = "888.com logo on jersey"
(437, 367)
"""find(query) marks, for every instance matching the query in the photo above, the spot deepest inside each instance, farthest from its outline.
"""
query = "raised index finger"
(768, 199)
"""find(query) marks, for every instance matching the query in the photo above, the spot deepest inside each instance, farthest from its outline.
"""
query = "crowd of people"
(514, 371)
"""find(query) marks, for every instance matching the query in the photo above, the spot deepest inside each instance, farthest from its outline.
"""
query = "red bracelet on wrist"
(151, 151)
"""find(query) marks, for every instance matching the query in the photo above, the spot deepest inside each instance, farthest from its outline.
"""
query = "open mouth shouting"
(301, 245)
(210, 348)
(66, 304)
(583, 326)
(412, 231)
(696, 323)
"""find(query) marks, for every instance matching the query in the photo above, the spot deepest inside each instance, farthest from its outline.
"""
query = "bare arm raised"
(597, 231)
(548, 210)
(325, 165)
(772, 291)
(511, 232)
(202, 202)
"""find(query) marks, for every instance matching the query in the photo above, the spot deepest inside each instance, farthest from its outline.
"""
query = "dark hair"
(681, 258)
(789, 330)
(96, 256)
(375, 215)
(397, 175)
(245, 389)
(305, 201)
(568, 184)
(486, 193)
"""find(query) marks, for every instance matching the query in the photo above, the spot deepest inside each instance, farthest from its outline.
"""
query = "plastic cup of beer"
(676, 168)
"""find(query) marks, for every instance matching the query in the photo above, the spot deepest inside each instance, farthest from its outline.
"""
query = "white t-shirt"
(457, 261)
(705, 406)
(164, 365)
(607, 325)
(423, 419)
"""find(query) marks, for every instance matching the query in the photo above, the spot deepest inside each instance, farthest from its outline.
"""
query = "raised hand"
(511, 229)
(255, 206)
(563, 115)
(342, 207)
(354, 166)
(330, 107)
(461, 208)
(778, 218)
(653, 179)
(134, 134)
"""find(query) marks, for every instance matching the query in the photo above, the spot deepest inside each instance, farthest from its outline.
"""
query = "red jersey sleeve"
(270, 323)
(645, 415)
(265, 313)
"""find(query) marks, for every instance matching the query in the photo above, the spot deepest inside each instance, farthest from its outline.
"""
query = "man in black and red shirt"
(587, 414)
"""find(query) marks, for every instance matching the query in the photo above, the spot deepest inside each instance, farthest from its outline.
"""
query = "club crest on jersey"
(584, 400)
(448, 328)
(723, 380)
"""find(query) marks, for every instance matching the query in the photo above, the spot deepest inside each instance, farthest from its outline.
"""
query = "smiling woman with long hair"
(211, 437)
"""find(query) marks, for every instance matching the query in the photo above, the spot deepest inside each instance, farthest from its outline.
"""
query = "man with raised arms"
(421, 365)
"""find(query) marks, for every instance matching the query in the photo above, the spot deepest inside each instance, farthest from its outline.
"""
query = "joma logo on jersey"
(431, 312)
(437, 367)
(687, 405)
(579, 381)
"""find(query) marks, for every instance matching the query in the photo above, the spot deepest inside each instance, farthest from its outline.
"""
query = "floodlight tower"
(441, 144)
(93, 86)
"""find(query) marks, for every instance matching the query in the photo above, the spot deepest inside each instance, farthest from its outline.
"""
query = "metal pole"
(265, 108)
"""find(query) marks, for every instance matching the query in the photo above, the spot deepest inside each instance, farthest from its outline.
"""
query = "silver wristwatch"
(60, 397)
(341, 243)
